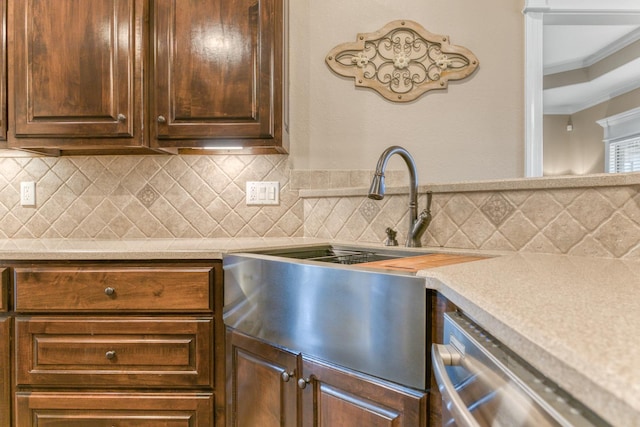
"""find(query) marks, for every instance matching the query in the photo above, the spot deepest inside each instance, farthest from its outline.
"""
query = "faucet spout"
(417, 226)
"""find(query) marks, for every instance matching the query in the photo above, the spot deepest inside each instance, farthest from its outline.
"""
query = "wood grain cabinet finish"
(270, 386)
(107, 352)
(4, 289)
(337, 397)
(261, 386)
(118, 343)
(44, 409)
(75, 73)
(217, 73)
(3, 74)
(113, 289)
(5, 371)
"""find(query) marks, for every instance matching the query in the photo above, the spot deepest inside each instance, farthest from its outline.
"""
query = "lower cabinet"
(270, 386)
(114, 344)
(5, 371)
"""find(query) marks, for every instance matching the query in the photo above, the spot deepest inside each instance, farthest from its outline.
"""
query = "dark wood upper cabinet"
(75, 74)
(3, 74)
(141, 76)
(217, 74)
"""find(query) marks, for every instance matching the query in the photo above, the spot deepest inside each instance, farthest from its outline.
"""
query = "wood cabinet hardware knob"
(302, 383)
(162, 119)
(109, 291)
(122, 117)
(286, 376)
(111, 354)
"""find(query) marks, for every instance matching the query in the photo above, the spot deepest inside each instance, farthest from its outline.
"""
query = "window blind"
(624, 156)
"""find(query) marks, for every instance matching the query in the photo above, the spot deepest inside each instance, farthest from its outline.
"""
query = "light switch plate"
(263, 193)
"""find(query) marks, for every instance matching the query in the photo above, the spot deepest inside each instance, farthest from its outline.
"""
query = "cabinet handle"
(286, 376)
(162, 119)
(302, 383)
(109, 291)
(111, 354)
(122, 117)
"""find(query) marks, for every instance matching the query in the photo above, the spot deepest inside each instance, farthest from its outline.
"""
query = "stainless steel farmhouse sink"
(374, 322)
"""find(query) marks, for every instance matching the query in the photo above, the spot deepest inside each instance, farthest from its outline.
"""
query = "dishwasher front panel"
(482, 383)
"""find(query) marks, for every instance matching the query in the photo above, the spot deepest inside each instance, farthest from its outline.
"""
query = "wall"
(473, 130)
(582, 150)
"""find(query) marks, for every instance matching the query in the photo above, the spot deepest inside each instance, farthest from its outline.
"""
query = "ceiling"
(568, 48)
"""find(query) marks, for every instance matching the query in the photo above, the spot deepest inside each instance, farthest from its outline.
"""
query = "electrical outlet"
(263, 193)
(28, 193)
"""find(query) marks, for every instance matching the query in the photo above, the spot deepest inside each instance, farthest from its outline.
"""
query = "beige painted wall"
(473, 130)
(581, 151)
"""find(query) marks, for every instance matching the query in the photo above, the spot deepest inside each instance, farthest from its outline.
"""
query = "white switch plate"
(28, 193)
(263, 193)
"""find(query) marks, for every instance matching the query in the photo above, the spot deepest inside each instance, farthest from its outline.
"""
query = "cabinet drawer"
(113, 289)
(114, 409)
(4, 288)
(131, 352)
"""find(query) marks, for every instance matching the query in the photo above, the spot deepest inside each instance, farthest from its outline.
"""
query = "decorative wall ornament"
(402, 61)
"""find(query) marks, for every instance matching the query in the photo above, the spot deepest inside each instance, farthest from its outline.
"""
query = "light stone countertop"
(139, 249)
(575, 319)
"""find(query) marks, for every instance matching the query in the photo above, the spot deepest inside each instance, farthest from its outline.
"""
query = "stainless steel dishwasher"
(482, 383)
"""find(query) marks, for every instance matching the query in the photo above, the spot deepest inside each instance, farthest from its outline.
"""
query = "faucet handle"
(429, 197)
(391, 237)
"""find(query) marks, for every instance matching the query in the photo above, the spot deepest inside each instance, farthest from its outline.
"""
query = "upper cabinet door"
(3, 73)
(218, 73)
(76, 72)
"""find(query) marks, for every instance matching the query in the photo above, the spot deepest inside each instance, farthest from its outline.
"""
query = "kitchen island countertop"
(576, 319)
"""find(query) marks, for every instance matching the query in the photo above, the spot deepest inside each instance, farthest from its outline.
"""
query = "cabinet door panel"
(4, 289)
(217, 69)
(258, 393)
(5, 371)
(3, 74)
(338, 397)
(43, 409)
(76, 68)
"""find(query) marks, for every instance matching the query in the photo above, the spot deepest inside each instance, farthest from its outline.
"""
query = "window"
(622, 141)
(624, 155)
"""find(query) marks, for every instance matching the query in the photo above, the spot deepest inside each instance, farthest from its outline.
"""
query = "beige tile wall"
(125, 197)
(603, 221)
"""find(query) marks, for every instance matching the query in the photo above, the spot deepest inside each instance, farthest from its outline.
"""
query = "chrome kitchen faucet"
(417, 223)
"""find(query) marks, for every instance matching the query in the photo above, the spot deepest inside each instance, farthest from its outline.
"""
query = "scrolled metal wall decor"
(402, 61)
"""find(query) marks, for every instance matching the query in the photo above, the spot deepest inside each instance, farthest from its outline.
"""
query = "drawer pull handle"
(109, 291)
(162, 119)
(111, 354)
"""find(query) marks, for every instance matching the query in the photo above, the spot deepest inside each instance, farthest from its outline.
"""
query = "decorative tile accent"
(147, 195)
(369, 209)
(497, 208)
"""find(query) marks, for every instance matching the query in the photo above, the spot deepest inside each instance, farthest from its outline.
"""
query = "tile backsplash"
(127, 197)
(130, 197)
(598, 221)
